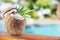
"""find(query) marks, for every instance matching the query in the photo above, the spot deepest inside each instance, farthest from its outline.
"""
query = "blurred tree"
(33, 1)
(58, 0)
(42, 2)
(18, 2)
(47, 16)
(53, 10)
(34, 15)
(6, 0)
(31, 5)
(37, 4)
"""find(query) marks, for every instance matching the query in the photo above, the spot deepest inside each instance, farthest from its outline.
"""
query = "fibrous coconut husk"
(14, 26)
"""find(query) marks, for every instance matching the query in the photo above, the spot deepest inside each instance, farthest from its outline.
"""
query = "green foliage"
(7, 0)
(53, 11)
(33, 1)
(47, 16)
(58, 0)
(26, 13)
(43, 2)
(39, 3)
(23, 11)
(33, 15)
(29, 5)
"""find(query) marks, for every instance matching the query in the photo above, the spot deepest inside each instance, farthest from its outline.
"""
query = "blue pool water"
(40, 29)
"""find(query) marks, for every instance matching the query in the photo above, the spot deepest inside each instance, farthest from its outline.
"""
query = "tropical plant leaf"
(26, 13)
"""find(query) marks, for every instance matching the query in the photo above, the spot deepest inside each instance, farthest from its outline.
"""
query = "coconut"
(14, 23)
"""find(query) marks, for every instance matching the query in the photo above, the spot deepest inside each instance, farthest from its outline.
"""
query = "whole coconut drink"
(14, 20)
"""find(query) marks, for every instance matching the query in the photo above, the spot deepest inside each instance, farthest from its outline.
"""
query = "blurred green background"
(42, 8)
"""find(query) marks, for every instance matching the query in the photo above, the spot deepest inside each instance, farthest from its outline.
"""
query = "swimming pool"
(39, 29)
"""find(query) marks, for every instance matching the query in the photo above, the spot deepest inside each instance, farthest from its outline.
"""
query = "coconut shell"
(14, 26)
